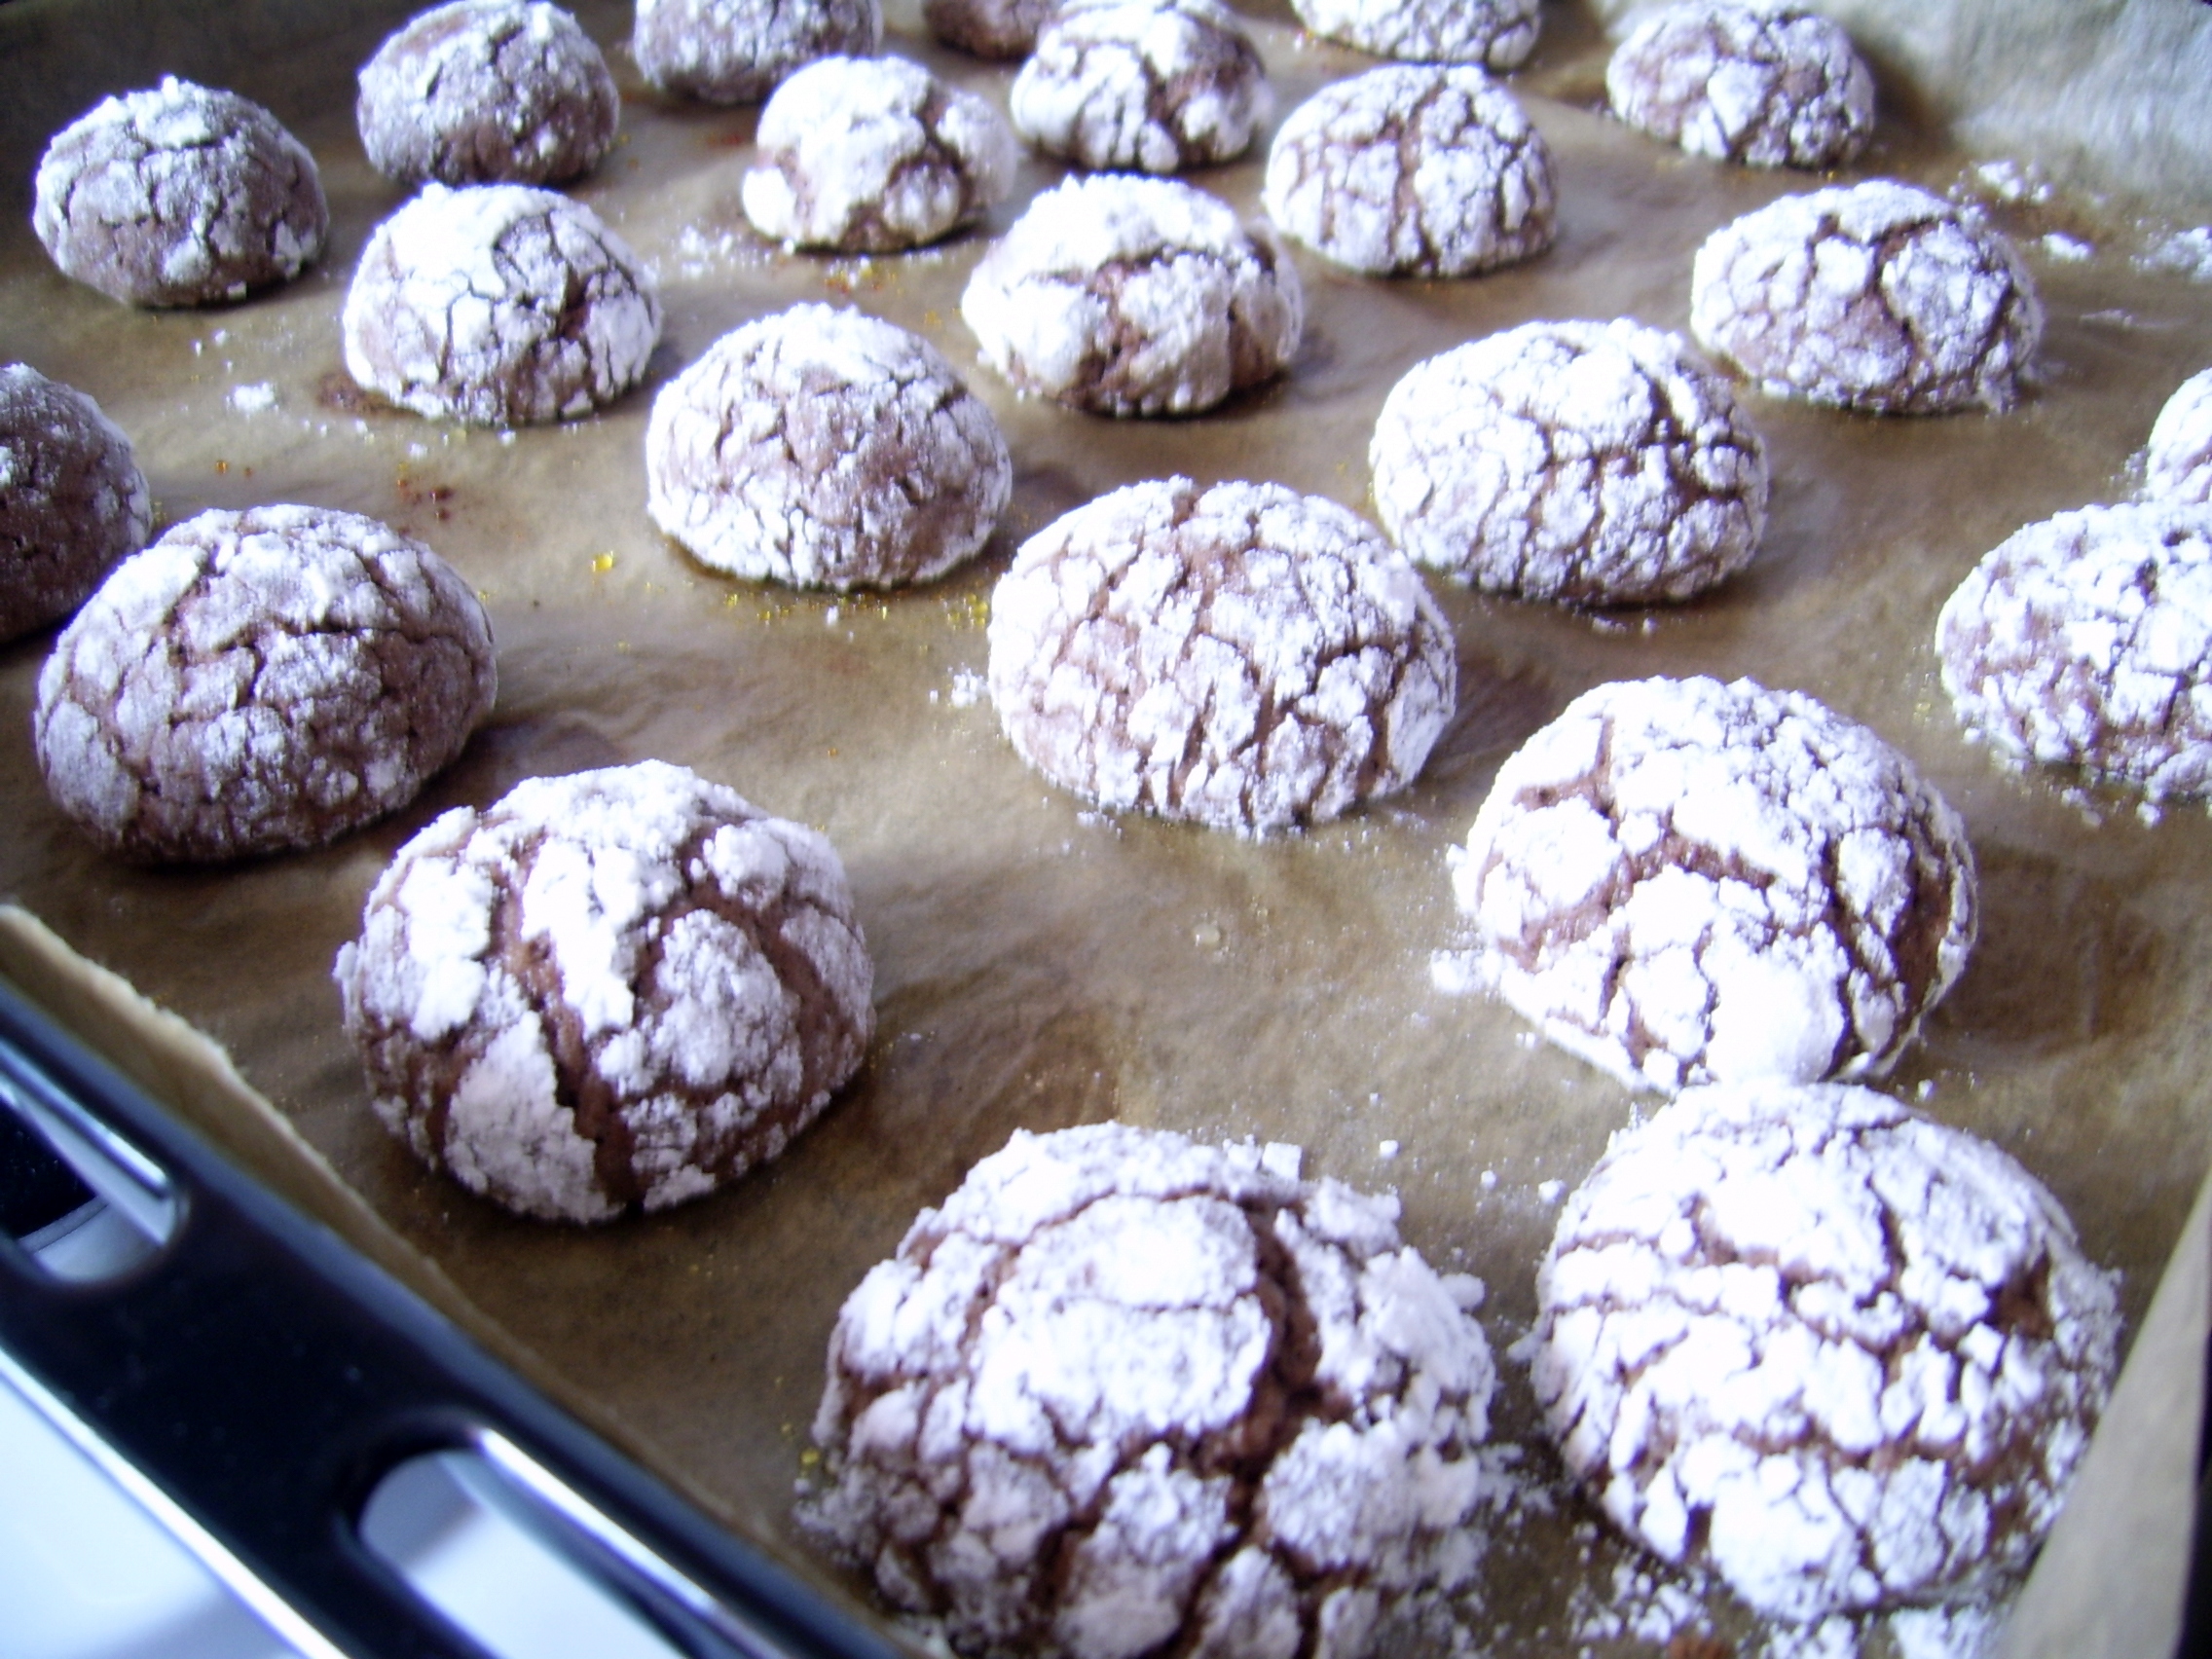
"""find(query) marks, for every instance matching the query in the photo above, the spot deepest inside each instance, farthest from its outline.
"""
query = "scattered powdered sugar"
(1412, 171)
(1243, 656)
(2006, 180)
(874, 155)
(614, 989)
(1594, 464)
(1770, 87)
(1875, 296)
(1683, 881)
(1496, 35)
(1847, 1357)
(1122, 1391)
(2177, 465)
(736, 51)
(1156, 86)
(1639, 1606)
(255, 399)
(2086, 639)
(2185, 253)
(969, 688)
(2064, 249)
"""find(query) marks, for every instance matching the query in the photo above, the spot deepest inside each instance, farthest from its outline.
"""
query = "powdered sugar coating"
(1156, 86)
(614, 990)
(1407, 171)
(1243, 656)
(1135, 296)
(2177, 465)
(1496, 35)
(735, 51)
(825, 449)
(1124, 1393)
(498, 305)
(1595, 464)
(1687, 882)
(481, 92)
(72, 500)
(1770, 88)
(179, 196)
(2086, 639)
(987, 28)
(871, 155)
(260, 680)
(1847, 1355)
(1875, 296)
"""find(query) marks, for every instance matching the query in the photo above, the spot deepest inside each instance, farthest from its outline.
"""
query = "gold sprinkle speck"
(222, 466)
(809, 1458)
(601, 564)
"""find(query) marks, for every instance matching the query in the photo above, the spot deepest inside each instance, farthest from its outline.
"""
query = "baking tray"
(1038, 964)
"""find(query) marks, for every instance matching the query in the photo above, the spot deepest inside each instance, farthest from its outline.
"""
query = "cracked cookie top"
(987, 28)
(179, 196)
(498, 305)
(1875, 296)
(825, 448)
(608, 991)
(1125, 295)
(1687, 882)
(257, 680)
(72, 500)
(2177, 465)
(485, 92)
(1777, 88)
(1847, 1357)
(871, 155)
(1243, 656)
(1156, 86)
(1125, 1393)
(1594, 464)
(2085, 641)
(1412, 171)
(731, 51)
(1494, 34)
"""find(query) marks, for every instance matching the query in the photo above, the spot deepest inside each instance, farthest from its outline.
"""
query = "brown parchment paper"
(1038, 965)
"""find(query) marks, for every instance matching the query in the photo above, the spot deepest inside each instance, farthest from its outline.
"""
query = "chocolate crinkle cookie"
(498, 303)
(1874, 296)
(1687, 882)
(731, 51)
(2087, 641)
(1125, 295)
(488, 91)
(1243, 657)
(1127, 1395)
(1767, 87)
(1412, 171)
(257, 680)
(1593, 463)
(871, 155)
(1154, 85)
(179, 196)
(2177, 465)
(1847, 1357)
(1494, 34)
(825, 448)
(988, 28)
(610, 991)
(72, 500)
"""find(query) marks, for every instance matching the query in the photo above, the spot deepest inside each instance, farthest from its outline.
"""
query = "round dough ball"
(1135, 296)
(2087, 641)
(486, 91)
(987, 28)
(608, 991)
(498, 305)
(1243, 657)
(1156, 86)
(1594, 464)
(1769, 87)
(179, 196)
(72, 500)
(871, 155)
(732, 52)
(1496, 35)
(260, 680)
(825, 449)
(1846, 1356)
(1122, 1393)
(1687, 882)
(2177, 466)
(1874, 296)
(1410, 172)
